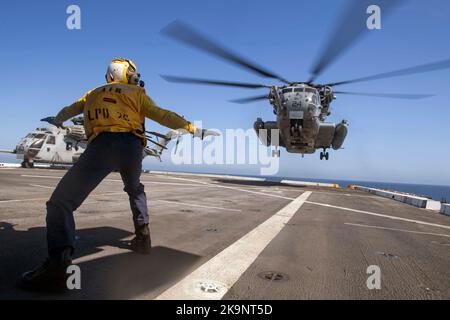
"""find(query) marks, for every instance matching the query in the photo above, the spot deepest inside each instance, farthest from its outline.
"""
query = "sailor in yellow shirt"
(120, 107)
(114, 119)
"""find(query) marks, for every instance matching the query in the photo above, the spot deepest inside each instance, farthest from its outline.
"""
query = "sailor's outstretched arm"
(71, 111)
(165, 117)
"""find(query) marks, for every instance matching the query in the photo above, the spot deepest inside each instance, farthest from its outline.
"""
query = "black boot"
(51, 276)
(142, 243)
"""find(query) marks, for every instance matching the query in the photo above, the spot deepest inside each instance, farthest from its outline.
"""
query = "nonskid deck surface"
(219, 238)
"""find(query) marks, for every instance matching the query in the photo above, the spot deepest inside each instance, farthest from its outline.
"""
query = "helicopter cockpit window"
(37, 144)
(39, 136)
(51, 140)
(287, 90)
(309, 90)
(298, 90)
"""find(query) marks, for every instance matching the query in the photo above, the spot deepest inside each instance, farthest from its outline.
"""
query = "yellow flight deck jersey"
(118, 107)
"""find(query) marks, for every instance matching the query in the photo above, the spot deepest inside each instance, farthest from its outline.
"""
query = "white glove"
(203, 133)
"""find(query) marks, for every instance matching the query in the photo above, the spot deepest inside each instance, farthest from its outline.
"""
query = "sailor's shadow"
(130, 275)
(119, 276)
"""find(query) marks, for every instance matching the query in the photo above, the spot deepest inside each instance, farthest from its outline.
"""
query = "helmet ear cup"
(109, 77)
(135, 79)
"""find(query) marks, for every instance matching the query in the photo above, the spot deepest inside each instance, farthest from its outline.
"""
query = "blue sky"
(45, 66)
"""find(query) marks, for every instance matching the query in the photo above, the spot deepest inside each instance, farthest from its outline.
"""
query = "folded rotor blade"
(250, 99)
(182, 32)
(213, 82)
(439, 65)
(176, 144)
(388, 95)
(50, 120)
(351, 26)
(156, 143)
(157, 134)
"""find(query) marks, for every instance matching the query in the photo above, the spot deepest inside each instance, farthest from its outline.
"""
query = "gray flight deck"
(218, 237)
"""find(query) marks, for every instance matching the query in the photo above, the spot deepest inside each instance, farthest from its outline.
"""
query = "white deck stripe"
(395, 229)
(337, 194)
(105, 251)
(46, 198)
(226, 267)
(380, 215)
(115, 180)
(233, 188)
(23, 200)
(39, 186)
(196, 205)
(195, 184)
(35, 176)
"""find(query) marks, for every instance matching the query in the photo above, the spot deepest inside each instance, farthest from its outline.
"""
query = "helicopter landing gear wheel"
(324, 155)
(276, 153)
(27, 164)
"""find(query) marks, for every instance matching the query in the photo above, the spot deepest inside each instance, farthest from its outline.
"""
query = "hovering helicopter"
(301, 107)
(64, 145)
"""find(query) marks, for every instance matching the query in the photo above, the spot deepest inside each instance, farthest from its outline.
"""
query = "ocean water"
(436, 192)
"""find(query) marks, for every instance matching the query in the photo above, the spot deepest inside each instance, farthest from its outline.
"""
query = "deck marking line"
(226, 267)
(233, 188)
(196, 205)
(195, 184)
(380, 215)
(39, 186)
(105, 251)
(115, 180)
(395, 229)
(35, 176)
(46, 198)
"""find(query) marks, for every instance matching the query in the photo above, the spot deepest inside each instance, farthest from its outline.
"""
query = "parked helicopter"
(64, 145)
(301, 107)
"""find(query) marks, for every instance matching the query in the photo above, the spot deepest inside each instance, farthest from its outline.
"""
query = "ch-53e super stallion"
(301, 107)
(64, 145)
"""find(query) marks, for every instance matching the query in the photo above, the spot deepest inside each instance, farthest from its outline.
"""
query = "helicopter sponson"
(328, 135)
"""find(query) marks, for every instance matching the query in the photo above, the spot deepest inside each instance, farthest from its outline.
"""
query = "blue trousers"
(106, 153)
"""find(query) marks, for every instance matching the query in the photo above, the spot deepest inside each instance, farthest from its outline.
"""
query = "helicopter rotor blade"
(176, 144)
(155, 143)
(350, 28)
(214, 82)
(250, 99)
(182, 32)
(439, 65)
(388, 95)
(157, 134)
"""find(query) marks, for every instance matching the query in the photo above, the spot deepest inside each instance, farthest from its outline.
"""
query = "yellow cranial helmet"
(123, 71)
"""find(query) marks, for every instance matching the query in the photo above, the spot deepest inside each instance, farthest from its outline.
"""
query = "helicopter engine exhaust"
(339, 135)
